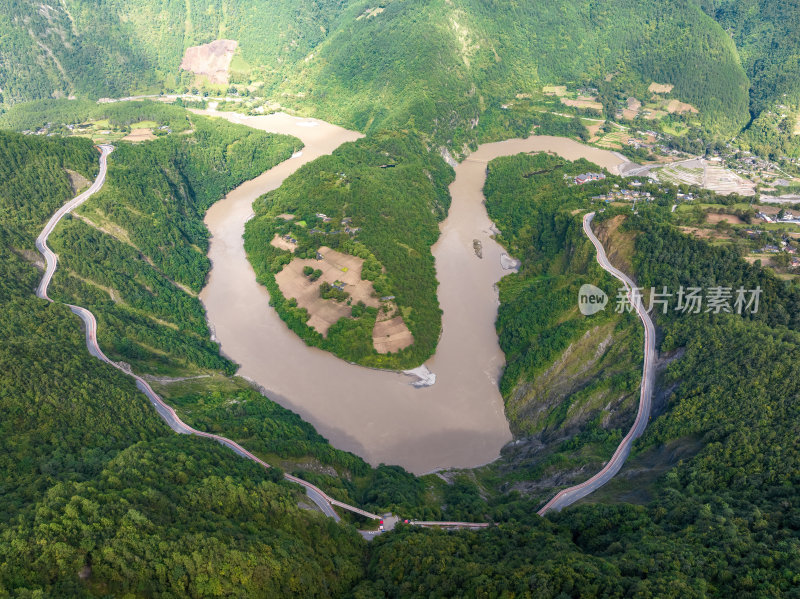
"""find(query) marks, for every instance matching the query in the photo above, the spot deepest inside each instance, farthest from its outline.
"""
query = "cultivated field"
(634, 106)
(677, 107)
(699, 172)
(689, 173)
(726, 182)
(555, 90)
(390, 333)
(614, 140)
(283, 244)
(335, 266)
(715, 218)
(583, 102)
(707, 234)
(139, 135)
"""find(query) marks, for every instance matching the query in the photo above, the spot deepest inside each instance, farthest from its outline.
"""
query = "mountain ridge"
(436, 66)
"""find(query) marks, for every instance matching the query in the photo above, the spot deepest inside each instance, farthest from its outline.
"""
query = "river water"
(457, 422)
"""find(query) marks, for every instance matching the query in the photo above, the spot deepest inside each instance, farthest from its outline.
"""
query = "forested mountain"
(437, 65)
(767, 34)
(91, 476)
(571, 383)
(136, 253)
(98, 497)
(717, 521)
(101, 498)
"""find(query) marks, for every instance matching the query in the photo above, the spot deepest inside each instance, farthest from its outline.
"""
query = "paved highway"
(572, 494)
(50, 258)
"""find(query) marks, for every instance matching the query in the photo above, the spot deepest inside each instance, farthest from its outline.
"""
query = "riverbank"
(457, 422)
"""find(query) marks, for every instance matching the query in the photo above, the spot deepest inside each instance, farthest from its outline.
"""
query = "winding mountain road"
(166, 412)
(570, 495)
(319, 497)
(325, 503)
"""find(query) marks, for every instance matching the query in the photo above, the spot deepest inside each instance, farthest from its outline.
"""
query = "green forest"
(394, 193)
(720, 522)
(765, 33)
(444, 68)
(38, 113)
(439, 67)
(570, 384)
(135, 254)
(99, 498)
(532, 201)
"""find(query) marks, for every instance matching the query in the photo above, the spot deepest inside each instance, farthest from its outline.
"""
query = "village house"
(587, 177)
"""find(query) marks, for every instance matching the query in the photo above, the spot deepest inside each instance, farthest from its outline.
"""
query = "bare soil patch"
(335, 266)
(714, 218)
(590, 104)
(619, 245)
(769, 210)
(660, 88)
(391, 335)
(594, 131)
(210, 60)
(283, 244)
(370, 12)
(139, 135)
(701, 233)
(632, 111)
(678, 107)
(765, 260)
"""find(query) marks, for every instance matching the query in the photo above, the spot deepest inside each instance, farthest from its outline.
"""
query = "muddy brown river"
(457, 422)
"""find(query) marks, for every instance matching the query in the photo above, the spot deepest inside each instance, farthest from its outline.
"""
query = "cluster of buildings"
(326, 219)
(587, 177)
(787, 217)
(624, 195)
(782, 245)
